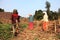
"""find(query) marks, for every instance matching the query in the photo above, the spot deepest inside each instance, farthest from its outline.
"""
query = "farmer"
(45, 22)
(15, 21)
(31, 22)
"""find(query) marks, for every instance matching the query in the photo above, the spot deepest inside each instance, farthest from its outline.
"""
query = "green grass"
(24, 26)
(5, 31)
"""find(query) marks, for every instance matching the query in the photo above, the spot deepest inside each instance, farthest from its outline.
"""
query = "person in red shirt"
(15, 21)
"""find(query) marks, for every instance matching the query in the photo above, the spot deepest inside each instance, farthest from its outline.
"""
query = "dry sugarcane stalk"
(55, 26)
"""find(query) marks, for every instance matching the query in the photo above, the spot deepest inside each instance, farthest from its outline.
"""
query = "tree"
(50, 15)
(53, 15)
(48, 9)
(35, 16)
(1, 10)
(38, 15)
(59, 12)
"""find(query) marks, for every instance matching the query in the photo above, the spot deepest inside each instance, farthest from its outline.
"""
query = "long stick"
(55, 26)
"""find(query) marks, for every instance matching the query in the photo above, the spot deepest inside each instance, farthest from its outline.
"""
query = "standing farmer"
(15, 21)
(45, 21)
(31, 22)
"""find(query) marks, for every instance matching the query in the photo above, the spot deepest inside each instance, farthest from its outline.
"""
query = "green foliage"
(47, 5)
(58, 36)
(38, 15)
(1, 10)
(59, 12)
(53, 15)
(36, 38)
(24, 25)
(5, 32)
(48, 9)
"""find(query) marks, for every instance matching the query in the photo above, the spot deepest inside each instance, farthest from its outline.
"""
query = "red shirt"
(15, 16)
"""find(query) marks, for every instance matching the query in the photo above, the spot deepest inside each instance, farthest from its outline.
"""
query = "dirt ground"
(37, 33)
